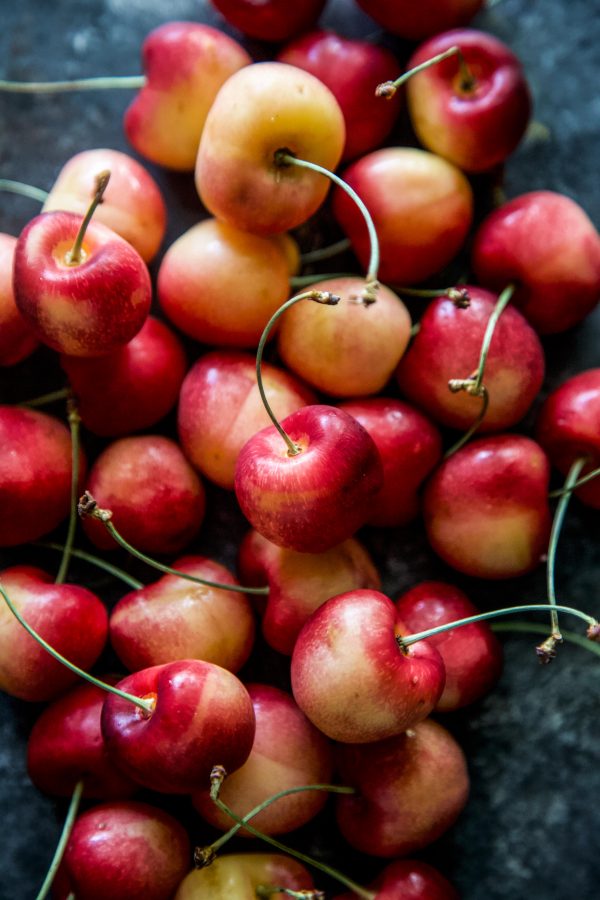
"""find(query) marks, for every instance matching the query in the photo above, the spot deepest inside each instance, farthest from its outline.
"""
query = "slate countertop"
(532, 827)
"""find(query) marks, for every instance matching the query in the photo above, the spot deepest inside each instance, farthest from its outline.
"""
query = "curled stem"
(333, 873)
(87, 506)
(145, 705)
(369, 294)
(126, 82)
(323, 297)
(387, 89)
(63, 841)
(99, 563)
(74, 422)
(404, 642)
(73, 257)
(557, 523)
(23, 190)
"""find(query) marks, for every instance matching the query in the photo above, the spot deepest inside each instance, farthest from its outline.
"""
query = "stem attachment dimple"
(73, 257)
(324, 297)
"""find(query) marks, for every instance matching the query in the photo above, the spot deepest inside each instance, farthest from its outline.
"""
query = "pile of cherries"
(375, 421)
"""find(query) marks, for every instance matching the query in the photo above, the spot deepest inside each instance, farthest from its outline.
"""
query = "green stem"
(286, 159)
(264, 891)
(88, 507)
(74, 422)
(73, 257)
(473, 385)
(312, 256)
(333, 873)
(458, 295)
(62, 843)
(145, 705)
(99, 563)
(388, 88)
(557, 523)
(404, 642)
(23, 190)
(531, 628)
(580, 481)
(52, 397)
(319, 297)
(300, 281)
(126, 82)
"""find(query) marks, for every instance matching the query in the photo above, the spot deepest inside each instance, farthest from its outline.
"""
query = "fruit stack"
(336, 418)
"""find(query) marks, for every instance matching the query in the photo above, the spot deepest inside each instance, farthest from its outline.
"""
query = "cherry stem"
(264, 891)
(126, 82)
(324, 297)
(62, 843)
(23, 190)
(473, 385)
(404, 642)
(88, 507)
(531, 627)
(312, 256)
(73, 257)
(300, 281)
(557, 523)
(217, 777)
(458, 295)
(282, 158)
(99, 563)
(52, 397)
(387, 89)
(146, 705)
(74, 422)
(580, 481)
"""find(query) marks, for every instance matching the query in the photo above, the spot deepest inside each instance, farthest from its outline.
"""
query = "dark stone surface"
(532, 828)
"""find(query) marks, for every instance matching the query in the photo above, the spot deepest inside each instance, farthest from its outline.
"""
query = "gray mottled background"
(532, 827)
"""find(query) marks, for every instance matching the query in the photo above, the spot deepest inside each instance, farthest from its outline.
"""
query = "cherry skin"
(220, 408)
(318, 497)
(410, 447)
(66, 746)
(61, 614)
(221, 285)
(157, 499)
(416, 21)
(132, 204)
(288, 752)
(472, 655)
(448, 346)
(132, 388)
(300, 582)
(548, 246)
(351, 70)
(409, 879)
(474, 125)
(568, 428)
(236, 877)
(486, 507)
(351, 352)
(85, 309)
(177, 619)
(262, 109)
(186, 63)
(123, 850)
(202, 716)
(270, 20)
(422, 207)
(410, 790)
(17, 340)
(35, 474)
(350, 677)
